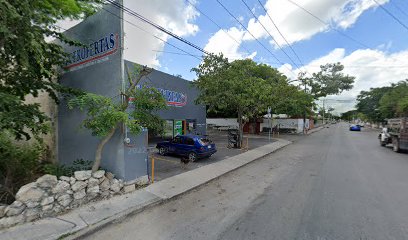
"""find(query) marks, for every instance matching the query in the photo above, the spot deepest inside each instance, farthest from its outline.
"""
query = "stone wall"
(49, 196)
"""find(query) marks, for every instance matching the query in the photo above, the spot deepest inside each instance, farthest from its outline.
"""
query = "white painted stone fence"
(49, 196)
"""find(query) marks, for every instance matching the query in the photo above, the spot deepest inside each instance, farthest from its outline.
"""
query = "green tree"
(394, 103)
(349, 115)
(368, 103)
(242, 86)
(105, 116)
(28, 64)
(330, 80)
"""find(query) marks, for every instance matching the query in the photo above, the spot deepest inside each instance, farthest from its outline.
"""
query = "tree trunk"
(99, 149)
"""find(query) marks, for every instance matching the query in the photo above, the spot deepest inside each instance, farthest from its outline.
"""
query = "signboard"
(94, 52)
(178, 127)
(173, 98)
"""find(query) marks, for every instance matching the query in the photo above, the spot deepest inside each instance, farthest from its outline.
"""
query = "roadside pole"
(304, 115)
(270, 125)
(152, 169)
(323, 112)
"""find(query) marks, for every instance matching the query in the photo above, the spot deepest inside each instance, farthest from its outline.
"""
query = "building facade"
(98, 66)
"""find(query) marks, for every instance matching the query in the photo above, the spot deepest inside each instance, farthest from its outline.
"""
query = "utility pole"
(323, 112)
(270, 125)
(304, 115)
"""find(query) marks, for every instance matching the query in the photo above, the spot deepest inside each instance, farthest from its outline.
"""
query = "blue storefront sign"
(173, 98)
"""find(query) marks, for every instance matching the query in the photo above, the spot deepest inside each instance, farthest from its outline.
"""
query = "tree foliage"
(368, 103)
(349, 115)
(137, 110)
(28, 64)
(245, 87)
(19, 165)
(394, 103)
(330, 80)
(381, 103)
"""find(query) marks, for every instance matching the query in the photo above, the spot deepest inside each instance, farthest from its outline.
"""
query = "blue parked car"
(191, 146)
(355, 128)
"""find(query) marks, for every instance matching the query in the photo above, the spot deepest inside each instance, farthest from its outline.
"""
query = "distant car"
(191, 146)
(355, 128)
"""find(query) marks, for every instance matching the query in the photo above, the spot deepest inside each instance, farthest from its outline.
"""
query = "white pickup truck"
(395, 133)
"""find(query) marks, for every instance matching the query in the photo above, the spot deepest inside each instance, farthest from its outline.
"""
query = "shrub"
(57, 170)
(63, 170)
(19, 165)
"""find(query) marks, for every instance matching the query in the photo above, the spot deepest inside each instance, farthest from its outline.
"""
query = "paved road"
(168, 166)
(334, 184)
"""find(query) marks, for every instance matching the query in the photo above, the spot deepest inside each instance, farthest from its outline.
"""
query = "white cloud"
(228, 44)
(176, 16)
(372, 68)
(297, 25)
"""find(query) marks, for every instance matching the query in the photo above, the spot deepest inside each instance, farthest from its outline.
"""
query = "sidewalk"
(93, 216)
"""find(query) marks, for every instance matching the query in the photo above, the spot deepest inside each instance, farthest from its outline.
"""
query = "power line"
(273, 55)
(158, 38)
(391, 15)
(229, 35)
(280, 47)
(280, 33)
(140, 17)
(366, 66)
(327, 24)
(397, 7)
(176, 53)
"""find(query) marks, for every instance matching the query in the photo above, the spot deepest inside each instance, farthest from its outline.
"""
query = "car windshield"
(204, 141)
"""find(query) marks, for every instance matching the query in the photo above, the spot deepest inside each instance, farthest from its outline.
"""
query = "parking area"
(167, 166)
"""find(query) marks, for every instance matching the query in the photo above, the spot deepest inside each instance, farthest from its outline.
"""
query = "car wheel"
(192, 156)
(395, 145)
(162, 151)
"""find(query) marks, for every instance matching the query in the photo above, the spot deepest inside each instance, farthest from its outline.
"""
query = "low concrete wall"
(222, 122)
(296, 124)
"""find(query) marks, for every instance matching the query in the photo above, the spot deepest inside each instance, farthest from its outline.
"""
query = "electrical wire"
(140, 17)
(219, 27)
(158, 38)
(327, 24)
(391, 15)
(242, 25)
(175, 53)
(266, 30)
(397, 7)
(280, 33)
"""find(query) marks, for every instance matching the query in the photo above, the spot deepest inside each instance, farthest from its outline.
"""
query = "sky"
(372, 45)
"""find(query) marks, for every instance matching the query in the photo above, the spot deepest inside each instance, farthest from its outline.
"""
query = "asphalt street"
(170, 165)
(334, 184)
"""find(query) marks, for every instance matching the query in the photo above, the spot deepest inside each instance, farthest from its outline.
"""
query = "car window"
(177, 140)
(204, 141)
(189, 141)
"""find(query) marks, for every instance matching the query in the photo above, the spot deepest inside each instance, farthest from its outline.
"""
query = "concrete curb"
(89, 218)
